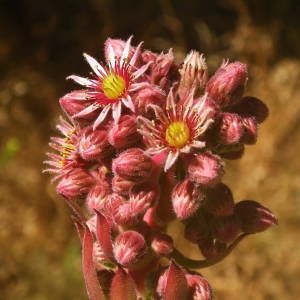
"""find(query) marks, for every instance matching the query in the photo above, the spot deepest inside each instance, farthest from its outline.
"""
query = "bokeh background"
(41, 42)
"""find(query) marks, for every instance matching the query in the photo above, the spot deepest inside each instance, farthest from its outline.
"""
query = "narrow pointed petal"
(171, 158)
(90, 276)
(116, 111)
(141, 71)
(101, 116)
(122, 287)
(128, 103)
(136, 54)
(97, 68)
(111, 55)
(89, 109)
(126, 49)
(82, 81)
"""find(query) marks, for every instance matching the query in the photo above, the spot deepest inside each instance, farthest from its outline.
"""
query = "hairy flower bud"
(124, 133)
(97, 197)
(251, 107)
(121, 185)
(199, 286)
(129, 246)
(162, 244)
(75, 183)
(250, 130)
(133, 164)
(117, 46)
(211, 247)
(254, 217)
(193, 73)
(186, 199)
(231, 128)
(149, 94)
(226, 229)
(93, 144)
(227, 85)
(205, 169)
(219, 200)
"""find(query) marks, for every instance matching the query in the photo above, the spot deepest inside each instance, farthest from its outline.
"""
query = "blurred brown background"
(41, 42)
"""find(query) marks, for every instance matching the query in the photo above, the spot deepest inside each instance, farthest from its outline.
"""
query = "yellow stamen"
(113, 86)
(177, 134)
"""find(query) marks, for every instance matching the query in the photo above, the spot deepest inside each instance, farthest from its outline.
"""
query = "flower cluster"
(142, 144)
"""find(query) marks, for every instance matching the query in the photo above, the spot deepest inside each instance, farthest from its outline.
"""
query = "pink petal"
(97, 68)
(116, 111)
(136, 54)
(128, 103)
(126, 49)
(82, 81)
(101, 116)
(171, 158)
(141, 71)
(86, 111)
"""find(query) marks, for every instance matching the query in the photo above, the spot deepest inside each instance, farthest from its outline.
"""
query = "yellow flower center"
(113, 86)
(177, 134)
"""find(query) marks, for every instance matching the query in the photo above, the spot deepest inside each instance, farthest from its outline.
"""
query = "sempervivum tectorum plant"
(145, 144)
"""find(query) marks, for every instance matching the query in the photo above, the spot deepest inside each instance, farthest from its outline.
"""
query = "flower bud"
(97, 197)
(133, 164)
(205, 169)
(227, 85)
(124, 133)
(198, 228)
(121, 185)
(254, 217)
(162, 244)
(250, 131)
(251, 107)
(231, 128)
(75, 183)
(186, 199)
(149, 94)
(193, 73)
(199, 286)
(211, 248)
(76, 101)
(129, 246)
(226, 229)
(219, 200)
(93, 144)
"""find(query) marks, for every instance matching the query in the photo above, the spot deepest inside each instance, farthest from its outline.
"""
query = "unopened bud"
(162, 244)
(226, 229)
(186, 199)
(150, 94)
(93, 144)
(124, 133)
(133, 164)
(193, 73)
(211, 248)
(199, 286)
(227, 85)
(121, 185)
(205, 169)
(129, 246)
(97, 197)
(251, 107)
(219, 200)
(75, 183)
(250, 131)
(254, 217)
(231, 128)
